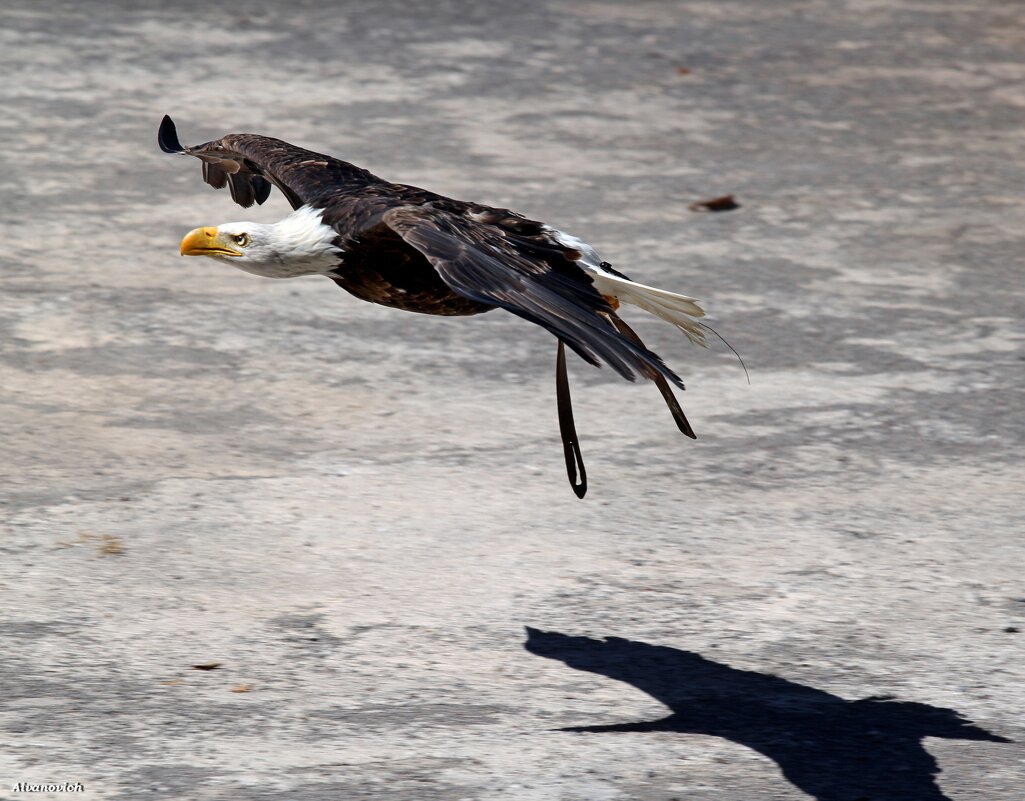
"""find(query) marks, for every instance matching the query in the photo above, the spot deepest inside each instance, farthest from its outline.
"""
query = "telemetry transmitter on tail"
(411, 249)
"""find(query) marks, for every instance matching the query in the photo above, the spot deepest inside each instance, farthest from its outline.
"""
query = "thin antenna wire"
(728, 345)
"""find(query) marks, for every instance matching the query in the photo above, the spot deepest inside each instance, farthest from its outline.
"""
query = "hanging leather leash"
(570, 444)
(659, 379)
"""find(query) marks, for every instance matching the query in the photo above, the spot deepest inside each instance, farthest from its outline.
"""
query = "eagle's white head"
(300, 244)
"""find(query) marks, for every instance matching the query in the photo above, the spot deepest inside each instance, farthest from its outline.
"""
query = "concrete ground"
(357, 513)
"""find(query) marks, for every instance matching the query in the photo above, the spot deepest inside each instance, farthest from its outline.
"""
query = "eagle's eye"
(241, 240)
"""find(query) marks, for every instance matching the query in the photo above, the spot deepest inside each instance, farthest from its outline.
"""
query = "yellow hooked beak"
(206, 242)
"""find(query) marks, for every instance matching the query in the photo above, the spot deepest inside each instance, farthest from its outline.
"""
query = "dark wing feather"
(481, 263)
(261, 188)
(241, 189)
(214, 175)
(249, 165)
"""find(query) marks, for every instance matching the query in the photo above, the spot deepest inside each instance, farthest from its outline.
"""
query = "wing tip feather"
(167, 136)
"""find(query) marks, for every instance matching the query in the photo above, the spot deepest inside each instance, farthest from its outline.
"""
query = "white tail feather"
(673, 308)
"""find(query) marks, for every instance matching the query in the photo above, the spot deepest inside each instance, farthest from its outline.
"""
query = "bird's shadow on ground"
(831, 748)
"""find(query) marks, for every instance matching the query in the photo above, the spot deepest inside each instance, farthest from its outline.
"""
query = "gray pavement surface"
(359, 512)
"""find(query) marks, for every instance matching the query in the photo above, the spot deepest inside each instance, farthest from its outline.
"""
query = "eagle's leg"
(570, 443)
(658, 378)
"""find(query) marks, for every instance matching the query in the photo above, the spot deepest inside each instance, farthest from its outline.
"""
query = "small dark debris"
(683, 70)
(724, 203)
(1011, 629)
(207, 666)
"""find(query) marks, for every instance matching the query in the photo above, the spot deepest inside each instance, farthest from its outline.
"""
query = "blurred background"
(261, 540)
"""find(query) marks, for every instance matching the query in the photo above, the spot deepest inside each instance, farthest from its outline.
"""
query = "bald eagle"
(412, 249)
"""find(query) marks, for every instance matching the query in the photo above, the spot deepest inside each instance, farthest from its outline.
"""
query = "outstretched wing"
(535, 281)
(249, 165)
